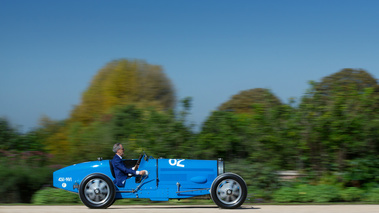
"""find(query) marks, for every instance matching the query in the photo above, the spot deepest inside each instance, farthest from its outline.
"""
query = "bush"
(326, 193)
(259, 195)
(256, 175)
(331, 179)
(21, 175)
(285, 195)
(361, 171)
(54, 196)
(261, 179)
(372, 195)
(352, 194)
(307, 193)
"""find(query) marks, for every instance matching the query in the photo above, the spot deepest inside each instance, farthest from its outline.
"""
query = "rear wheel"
(97, 191)
(229, 191)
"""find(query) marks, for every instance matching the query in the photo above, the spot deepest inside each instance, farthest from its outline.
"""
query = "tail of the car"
(70, 177)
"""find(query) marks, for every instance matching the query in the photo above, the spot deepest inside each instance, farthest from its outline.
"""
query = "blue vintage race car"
(166, 179)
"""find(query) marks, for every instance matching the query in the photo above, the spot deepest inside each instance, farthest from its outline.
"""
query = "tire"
(228, 191)
(97, 191)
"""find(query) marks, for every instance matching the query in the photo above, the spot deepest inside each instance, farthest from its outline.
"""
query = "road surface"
(195, 209)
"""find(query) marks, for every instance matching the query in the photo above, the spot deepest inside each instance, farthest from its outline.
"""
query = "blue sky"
(210, 49)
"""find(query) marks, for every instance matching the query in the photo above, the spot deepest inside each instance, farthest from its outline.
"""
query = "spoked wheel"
(229, 191)
(97, 191)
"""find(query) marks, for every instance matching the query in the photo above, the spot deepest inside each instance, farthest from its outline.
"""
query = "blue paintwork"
(167, 179)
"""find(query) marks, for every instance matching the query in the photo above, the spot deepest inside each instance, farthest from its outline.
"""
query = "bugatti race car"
(166, 179)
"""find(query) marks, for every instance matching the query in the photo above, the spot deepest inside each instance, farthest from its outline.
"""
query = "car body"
(166, 179)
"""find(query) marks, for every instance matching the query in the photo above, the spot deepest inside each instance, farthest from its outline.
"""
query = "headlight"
(220, 166)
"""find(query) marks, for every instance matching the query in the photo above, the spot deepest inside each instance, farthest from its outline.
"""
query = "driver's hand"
(143, 172)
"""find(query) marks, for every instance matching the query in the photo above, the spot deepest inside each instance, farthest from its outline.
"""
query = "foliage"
(331, 134)
(372, 195)
(326, 193)
(54, 196)
(307, 193)
(89, 130)
(11, 139)
(285, 195)
(251, 136)
(157, 133)
(362, 170)
(138, 129)
(8, 135)
(352, 194)
(344, 80)
(123, 82)
(223, 136)
(262, 180)
(244, 101)
(22, 174)
(336, 119)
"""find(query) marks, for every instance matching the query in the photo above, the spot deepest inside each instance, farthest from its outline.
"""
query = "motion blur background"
(269, 86)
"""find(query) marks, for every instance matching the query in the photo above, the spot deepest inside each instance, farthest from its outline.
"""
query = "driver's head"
(118, 149)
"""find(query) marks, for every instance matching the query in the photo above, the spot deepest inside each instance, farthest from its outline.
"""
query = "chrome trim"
(192, 190)
(220, 166)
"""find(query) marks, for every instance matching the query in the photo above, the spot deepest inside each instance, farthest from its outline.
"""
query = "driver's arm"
(120, 166)
(143, 172)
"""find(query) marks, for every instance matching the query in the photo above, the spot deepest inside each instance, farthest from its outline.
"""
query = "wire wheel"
(97, 191)
(229, 191)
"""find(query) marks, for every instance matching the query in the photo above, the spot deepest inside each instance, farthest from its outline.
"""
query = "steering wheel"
(138, 162)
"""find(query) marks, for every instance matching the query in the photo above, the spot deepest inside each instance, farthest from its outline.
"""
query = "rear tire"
(229, 191)
(97, 191)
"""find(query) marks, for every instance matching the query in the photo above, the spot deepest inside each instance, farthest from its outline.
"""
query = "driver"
(120, 170)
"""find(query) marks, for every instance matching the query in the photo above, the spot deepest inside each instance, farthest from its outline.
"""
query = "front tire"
(97, 191)
(229, 191)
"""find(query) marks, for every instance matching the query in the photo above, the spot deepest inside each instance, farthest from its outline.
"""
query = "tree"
(55, 134)
(8, 135)
(118, 84)
(345, 81)
(334, 115)
(222, 136)
(244, 101)
(11, 139)
(158, 133)
(123, 82)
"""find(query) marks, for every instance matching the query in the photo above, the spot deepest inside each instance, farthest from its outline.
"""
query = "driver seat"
(112, 169)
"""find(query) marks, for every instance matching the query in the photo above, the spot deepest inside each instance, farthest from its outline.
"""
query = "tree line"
(332, 129)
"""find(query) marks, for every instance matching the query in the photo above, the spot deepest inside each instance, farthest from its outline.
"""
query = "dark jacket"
(120, 171)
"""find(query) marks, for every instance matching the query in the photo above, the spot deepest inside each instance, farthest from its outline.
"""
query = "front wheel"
(97, 191)
(228, 191)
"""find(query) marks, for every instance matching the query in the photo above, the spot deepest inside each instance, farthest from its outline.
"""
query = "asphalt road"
(202, 209)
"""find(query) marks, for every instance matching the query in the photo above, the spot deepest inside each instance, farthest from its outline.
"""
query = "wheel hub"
(97, 191)
(229, 191)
